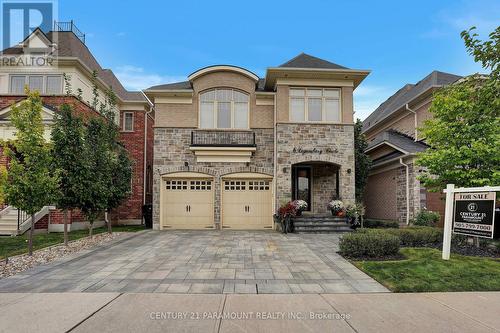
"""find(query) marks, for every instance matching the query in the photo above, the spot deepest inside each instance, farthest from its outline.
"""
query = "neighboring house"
(230, 147)
(393, 191)
(40, 62)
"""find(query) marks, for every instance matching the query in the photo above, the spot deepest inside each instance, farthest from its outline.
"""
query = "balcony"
(222, 139)
(223, 146)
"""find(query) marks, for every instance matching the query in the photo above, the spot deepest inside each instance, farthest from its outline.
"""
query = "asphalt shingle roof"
(69, 45)
(406, 94)
(400, 140)
(172, 86)
(307, 61)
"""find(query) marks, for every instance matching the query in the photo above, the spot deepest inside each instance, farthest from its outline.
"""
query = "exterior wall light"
(349, 170)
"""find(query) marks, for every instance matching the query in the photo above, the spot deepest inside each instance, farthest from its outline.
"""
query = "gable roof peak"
(304, 60)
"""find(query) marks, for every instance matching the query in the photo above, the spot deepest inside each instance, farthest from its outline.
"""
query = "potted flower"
(300, 206)
(285, 214)
(337, 208)
(354, 214)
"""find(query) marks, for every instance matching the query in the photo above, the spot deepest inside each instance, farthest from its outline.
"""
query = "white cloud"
(135, 78)
(368, 97)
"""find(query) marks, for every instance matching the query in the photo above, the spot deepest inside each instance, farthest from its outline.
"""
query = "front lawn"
(423, 270)
(12, 246)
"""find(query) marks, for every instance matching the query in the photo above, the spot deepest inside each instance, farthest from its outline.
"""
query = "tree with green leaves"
(362, 161)
(68, 159)
(31, 183)
(96, 176)
(464, 133)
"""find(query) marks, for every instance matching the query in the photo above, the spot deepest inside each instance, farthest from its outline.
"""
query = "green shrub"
(427, 218)
(411, 236)
(362, 244)
(380, 224)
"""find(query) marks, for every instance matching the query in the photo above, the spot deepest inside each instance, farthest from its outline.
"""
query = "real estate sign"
(474, 214)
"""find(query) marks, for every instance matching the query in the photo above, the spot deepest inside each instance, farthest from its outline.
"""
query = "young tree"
(31, 183)
(97, 173)
(68, 159)
(464, 133)
(361, 160)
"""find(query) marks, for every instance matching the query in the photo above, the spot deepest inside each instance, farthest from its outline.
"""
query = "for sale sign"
(474, 214)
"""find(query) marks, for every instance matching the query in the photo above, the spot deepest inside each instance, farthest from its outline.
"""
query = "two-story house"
(41, 61)
(393, 191)
(230, 147)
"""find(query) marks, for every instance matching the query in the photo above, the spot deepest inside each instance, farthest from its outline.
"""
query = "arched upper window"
(224, 108)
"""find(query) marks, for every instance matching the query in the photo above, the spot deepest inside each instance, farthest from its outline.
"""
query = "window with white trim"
(128, 121)
(44, 84)
(224, 108)
(314, 105)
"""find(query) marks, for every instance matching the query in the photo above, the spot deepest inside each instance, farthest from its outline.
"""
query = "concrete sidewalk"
(115, 312)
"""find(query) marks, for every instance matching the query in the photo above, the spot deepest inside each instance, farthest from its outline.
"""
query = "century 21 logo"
(20, 18)
(472, 207)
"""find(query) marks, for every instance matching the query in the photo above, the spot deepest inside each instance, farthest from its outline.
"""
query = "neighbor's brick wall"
(380, 196)
(171, 151)
(321, 137)
(133, 141)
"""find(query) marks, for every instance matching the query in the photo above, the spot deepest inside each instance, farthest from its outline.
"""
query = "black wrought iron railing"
(21, 217)
(203, 138)
(69, 26)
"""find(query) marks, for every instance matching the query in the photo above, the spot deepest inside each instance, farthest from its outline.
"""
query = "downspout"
(416, 122)
(275, 169)
(407, 190)
(144, 171)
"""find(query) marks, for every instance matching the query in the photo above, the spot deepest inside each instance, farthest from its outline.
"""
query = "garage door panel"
(246, 204)
(187, 203)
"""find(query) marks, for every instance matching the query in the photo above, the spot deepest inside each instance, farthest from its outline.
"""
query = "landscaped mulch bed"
(24, 262)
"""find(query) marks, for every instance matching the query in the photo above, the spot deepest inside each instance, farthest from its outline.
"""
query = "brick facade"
(131, 210)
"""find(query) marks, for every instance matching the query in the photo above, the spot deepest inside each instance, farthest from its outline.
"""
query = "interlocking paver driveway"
(203, 262)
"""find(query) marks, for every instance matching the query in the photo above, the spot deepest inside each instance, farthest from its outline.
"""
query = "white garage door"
(247, 204)
(187, 204)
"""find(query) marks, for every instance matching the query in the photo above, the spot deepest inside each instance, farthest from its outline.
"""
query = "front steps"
(320, 224)
(8, 222)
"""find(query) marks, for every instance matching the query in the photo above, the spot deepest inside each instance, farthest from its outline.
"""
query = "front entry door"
(301, 183)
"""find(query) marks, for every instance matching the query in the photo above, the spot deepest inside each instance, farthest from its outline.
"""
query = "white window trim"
(306, 105)
(124, 122)
(215, 109)
(44, 82)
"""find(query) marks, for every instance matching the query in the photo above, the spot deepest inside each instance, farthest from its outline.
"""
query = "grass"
(12, 246)
(423, 270)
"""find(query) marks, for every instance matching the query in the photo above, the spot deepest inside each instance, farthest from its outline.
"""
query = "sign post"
(468, 211)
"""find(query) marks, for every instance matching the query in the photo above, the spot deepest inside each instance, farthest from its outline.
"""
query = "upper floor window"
(128, 121)
(224, 108)
(314, 105)
(45, 84)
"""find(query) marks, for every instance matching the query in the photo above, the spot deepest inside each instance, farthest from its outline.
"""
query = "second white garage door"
(247, 204)
(187, 204)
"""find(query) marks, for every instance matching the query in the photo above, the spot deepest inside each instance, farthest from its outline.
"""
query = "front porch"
(317, 183)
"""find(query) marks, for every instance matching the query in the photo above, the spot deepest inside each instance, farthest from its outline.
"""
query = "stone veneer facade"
(332, 143)
(171, 151)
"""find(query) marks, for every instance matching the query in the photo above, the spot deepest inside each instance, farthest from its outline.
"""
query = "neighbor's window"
(128, 121)
(314, 104)
(224, 108)
(44, 84)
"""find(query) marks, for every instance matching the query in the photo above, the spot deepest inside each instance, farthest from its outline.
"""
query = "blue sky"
(152, 42)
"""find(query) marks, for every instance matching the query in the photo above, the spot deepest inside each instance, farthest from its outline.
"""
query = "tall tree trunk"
(91, 228)
(30, 240)
(65, 219)
(108, 222)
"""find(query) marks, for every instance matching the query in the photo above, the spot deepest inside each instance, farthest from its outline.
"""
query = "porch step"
(320, 224)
